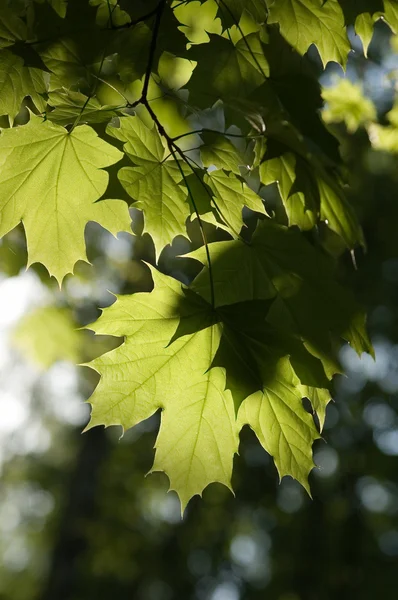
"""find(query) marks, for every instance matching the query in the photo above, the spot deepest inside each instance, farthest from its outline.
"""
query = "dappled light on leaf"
(207, 119)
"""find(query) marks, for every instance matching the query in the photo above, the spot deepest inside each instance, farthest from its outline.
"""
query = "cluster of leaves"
(207, 106)
(346, 103)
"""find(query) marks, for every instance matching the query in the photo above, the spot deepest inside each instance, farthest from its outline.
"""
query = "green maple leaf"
(198, 435)
(319, 398)
(336, 211)
(50, 180)
(131, 49)
(232, 195)
(60, 6)
(109, 13)
(251, 351)
(278, 262)
(219, 151)
(306, 22)
(12, 27)
(156, 184)
(170, 359)
(174, 72)
(227, 70)
(200, 200)
(314, 189)
(69, 105)
(197, 19)
(238, 274)
(75, 55)
(293, 97)
(16, 82)
(282, 425)
(364, 24)
(299, 205)
(362, 14)
(62, 57)
(231, 10)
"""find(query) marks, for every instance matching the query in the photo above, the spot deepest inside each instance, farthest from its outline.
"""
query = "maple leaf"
(171, 359)
(174, 72)
(260, 325)
(16, 82)
(313, 190)
(226, 69)
(232, 195)
(306, 22)
(198, 434)
(69, 106)
(279, 263)
(219, 151)
(198, 19)
(362, 14)
(12, 27)
(300, 207)
(109, 13)
(156, 184)
(233, 10)
(391, 14)
(319, 398)
(237, 271)
(60, 6)
(282, 425)
(50, 180)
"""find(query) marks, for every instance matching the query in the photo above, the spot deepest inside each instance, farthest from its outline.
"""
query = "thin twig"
(202, 231)
(231, 14)
(134, 22)
(225, 133)
(174, 149)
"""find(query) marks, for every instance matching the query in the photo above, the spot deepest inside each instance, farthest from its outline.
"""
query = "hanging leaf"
(50, 180)
(220, 152)
(12, 27)
(155, 183)
(16, 82)
(286, 431)
(232, 195)
(69, 106)
(299, 205)
(204, 104)
(198, 434)
(306, 22)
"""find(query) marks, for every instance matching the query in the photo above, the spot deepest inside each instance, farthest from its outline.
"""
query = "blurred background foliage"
(78, 517)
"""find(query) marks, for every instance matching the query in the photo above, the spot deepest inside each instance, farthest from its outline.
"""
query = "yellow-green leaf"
(347, 103)
(282, 425)
(50, 180)
(198, 435)
(306, 22)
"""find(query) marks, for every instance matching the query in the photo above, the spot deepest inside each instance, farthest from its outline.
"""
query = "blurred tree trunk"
(79, 507)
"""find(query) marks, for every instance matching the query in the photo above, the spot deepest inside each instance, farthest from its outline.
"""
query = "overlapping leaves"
(211, 371)
(257, 330)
